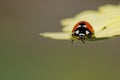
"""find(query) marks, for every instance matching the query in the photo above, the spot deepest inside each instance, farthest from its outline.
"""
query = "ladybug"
(82, 31)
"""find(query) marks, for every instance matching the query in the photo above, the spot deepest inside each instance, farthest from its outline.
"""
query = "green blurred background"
(24, 55)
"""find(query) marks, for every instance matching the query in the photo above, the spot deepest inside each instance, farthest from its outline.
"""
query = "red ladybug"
(82, 31)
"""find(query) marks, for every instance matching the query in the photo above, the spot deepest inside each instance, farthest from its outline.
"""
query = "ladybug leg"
(72, 41)
(83, 41)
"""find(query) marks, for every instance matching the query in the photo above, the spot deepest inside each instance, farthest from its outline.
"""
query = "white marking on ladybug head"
(81, 34)
(77, 32)
(87, 32)
(79, 26)
(84, 26)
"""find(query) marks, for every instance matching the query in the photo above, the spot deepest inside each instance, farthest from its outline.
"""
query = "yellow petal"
(111, 30)
(56, 35)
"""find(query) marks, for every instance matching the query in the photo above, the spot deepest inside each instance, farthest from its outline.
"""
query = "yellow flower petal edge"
(105, 22)
(57, 35)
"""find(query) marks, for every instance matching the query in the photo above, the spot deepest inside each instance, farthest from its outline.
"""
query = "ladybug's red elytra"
(82, 31)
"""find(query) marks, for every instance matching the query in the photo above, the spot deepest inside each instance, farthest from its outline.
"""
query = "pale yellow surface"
(57, 35)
